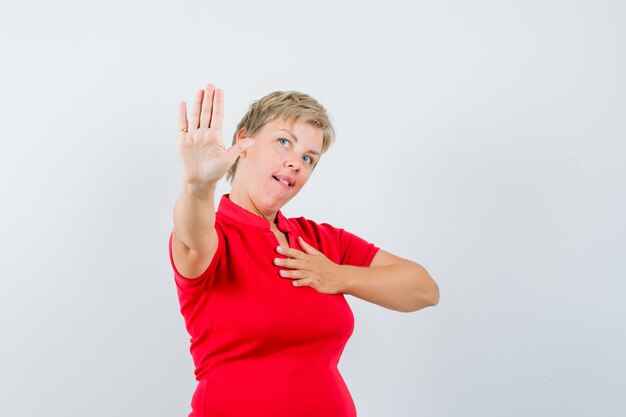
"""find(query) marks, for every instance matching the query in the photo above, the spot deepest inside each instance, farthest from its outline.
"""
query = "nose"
(293, 162)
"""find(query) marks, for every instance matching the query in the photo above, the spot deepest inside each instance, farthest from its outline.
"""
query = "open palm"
(201, 150)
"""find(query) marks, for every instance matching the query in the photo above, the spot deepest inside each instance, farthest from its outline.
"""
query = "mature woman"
(262, 295)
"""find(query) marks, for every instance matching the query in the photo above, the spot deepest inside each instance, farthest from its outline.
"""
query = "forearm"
(404, 286)
(194, 215)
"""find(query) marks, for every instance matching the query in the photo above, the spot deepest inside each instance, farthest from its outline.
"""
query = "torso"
(250, 329)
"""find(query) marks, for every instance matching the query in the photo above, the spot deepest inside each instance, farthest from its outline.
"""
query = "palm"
(203, 156)
(201, 150)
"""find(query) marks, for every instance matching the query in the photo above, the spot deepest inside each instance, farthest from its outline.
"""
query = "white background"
(484, 140)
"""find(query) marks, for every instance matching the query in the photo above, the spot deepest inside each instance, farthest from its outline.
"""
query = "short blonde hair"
(288, 106)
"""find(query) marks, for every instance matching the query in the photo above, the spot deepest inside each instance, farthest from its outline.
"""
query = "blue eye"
(283, 141)
(307, 159)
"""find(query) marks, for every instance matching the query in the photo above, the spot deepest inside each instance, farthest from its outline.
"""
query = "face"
(273, 171)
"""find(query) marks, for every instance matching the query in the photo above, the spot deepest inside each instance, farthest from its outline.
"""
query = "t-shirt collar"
(239, 214)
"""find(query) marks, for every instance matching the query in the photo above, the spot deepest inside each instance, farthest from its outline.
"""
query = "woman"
(261, 294)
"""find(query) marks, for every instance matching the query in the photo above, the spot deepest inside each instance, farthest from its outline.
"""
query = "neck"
(244, 201)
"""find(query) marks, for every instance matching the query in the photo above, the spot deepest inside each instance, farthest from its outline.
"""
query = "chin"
(275, 201)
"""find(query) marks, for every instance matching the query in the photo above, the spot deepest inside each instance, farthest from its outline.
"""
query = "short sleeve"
(186, 284)
(339, 245)
(356, 251)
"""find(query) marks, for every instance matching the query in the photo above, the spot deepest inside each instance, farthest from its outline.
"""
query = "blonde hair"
(288, 106)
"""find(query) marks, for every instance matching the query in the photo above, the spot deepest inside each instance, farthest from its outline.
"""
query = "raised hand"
(201, 151)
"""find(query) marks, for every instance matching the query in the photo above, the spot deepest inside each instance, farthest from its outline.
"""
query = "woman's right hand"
(201, 151)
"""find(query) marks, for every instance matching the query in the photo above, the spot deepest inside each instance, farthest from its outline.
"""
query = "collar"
(238, 214)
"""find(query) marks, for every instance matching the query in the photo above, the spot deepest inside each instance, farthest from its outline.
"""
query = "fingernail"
(279, 249)
(277, 261)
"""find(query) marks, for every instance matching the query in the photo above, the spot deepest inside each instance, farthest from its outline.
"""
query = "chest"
(251, 302)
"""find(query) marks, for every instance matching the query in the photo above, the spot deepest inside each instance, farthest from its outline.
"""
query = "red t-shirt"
(262, 347)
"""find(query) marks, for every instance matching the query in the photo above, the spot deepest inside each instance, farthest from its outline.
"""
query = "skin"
(289, 150)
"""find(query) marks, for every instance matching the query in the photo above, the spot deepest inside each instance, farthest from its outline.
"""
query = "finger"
(290, 263)
(307, 248)
(292, 273)
(182, 117)
(290, 252)
(241, 145)
(207, 107)
(195, 111)
(305, 282)
(218, 110)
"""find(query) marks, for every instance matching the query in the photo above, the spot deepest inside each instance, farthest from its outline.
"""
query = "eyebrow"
(296, 139)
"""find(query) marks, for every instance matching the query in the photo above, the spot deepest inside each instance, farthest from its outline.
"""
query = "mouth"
(283, 182)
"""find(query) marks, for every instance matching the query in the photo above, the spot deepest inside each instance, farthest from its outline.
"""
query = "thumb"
(241, 145)
(245, 143)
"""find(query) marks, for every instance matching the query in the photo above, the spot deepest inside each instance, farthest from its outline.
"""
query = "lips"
(284, 181)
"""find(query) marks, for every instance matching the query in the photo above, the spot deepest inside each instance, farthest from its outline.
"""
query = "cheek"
(304, 176)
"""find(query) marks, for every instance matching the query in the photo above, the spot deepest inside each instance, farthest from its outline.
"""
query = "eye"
(283, 141)
(307, 159)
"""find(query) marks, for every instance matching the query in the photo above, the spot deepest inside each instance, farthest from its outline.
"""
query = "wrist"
(200, 189)
(346, 277)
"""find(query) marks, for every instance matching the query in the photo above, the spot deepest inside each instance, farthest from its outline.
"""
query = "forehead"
(304, 132)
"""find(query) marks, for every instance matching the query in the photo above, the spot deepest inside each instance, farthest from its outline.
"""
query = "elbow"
(434, 298)
(428, 295)
(421, 292)
(427, 298)
(432, 289)
(421, 301)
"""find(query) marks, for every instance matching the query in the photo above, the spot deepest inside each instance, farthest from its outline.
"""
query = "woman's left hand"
(310, 268)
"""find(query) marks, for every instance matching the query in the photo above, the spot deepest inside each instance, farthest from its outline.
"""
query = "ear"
(241, 134)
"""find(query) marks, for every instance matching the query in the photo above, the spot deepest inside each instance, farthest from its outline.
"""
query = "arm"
(203, 160)
(389, 281)
(194, 240)
(392, 282)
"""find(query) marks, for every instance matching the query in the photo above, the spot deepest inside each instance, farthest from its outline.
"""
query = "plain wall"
(484, 140)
